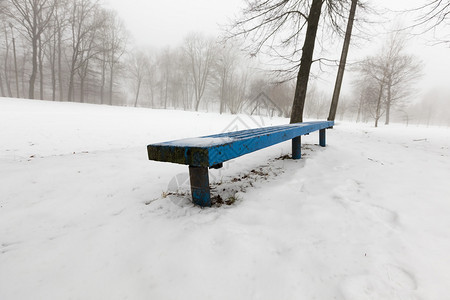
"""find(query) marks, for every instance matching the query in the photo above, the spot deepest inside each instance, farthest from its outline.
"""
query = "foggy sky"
(165, 23)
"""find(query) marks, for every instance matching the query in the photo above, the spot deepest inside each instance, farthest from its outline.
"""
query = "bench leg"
(200, 185)
(296, 148)
(322, 137)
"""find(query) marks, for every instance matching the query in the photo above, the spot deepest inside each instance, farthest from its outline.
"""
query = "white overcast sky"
(159, 23)
(165, 23)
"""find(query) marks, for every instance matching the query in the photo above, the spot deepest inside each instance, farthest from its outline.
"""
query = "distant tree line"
(200, 74)
(78, 50)
(66, 50)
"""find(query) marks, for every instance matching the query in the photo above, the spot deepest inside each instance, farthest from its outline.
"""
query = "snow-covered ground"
(85, 215)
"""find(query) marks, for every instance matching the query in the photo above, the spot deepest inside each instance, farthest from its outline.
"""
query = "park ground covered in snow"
(85, 215)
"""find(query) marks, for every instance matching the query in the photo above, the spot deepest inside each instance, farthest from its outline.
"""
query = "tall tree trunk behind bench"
(305, 62)
(342, 62)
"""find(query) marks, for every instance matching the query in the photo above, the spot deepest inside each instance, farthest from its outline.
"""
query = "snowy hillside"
(85, 215)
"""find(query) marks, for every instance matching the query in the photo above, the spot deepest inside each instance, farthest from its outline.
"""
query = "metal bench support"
(322, 137)
(296, 148)
(200, 185)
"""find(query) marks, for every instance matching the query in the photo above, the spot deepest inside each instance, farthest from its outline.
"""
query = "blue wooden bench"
(211, 151)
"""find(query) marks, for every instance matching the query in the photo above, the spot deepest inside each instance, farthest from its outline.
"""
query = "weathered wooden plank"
(215, 149)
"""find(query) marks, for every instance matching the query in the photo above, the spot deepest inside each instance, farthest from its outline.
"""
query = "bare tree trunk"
(197, 104)
(53, 67)
(60, 79)
(111, 83)
(34, 67)
(103, 78)
(388, 104)
(359, 108)
(41, 70)
(82, 80)
(22, 78)
(388, 110)
(5, 70)
(70, 91)
(305, 62)
(1, 86)
(199, 51)
(137, 92)
(82, 90)
(34, 17)
(15, 63)
(377, 113)
(222, 89)
(165, 91)
(342, 62)
(82, 72)
(152, 98)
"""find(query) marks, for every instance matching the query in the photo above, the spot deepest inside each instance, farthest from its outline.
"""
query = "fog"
(136, 53)
(160, 24)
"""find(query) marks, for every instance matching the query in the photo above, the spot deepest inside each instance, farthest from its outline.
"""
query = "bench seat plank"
(212, 150)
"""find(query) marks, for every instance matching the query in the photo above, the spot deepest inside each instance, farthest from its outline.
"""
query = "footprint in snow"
(348, 192)
(386, 215)
(401, 278)
(6, 247)
(393, 282)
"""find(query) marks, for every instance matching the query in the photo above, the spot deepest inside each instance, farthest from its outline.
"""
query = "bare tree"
(52, 38)
(342, 63)
(1, 86)
(317, 103)
(279, 24)
(15, 61)
(224, 67)
(306, 61)
(374, 73)
(282, 94)
(85, 21)
(343, 108)
(199, 51)
(401, 70)
(370, 96)
(181, 86)
(150, 77)
(433, 15)
(236, 91)
(62, 20)
(7, 67)
(42, 42)
(166, 62)
(54, 47)
(33, 17)
(231, 77)
(393, 71)
(138, 66)
(114, 44)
